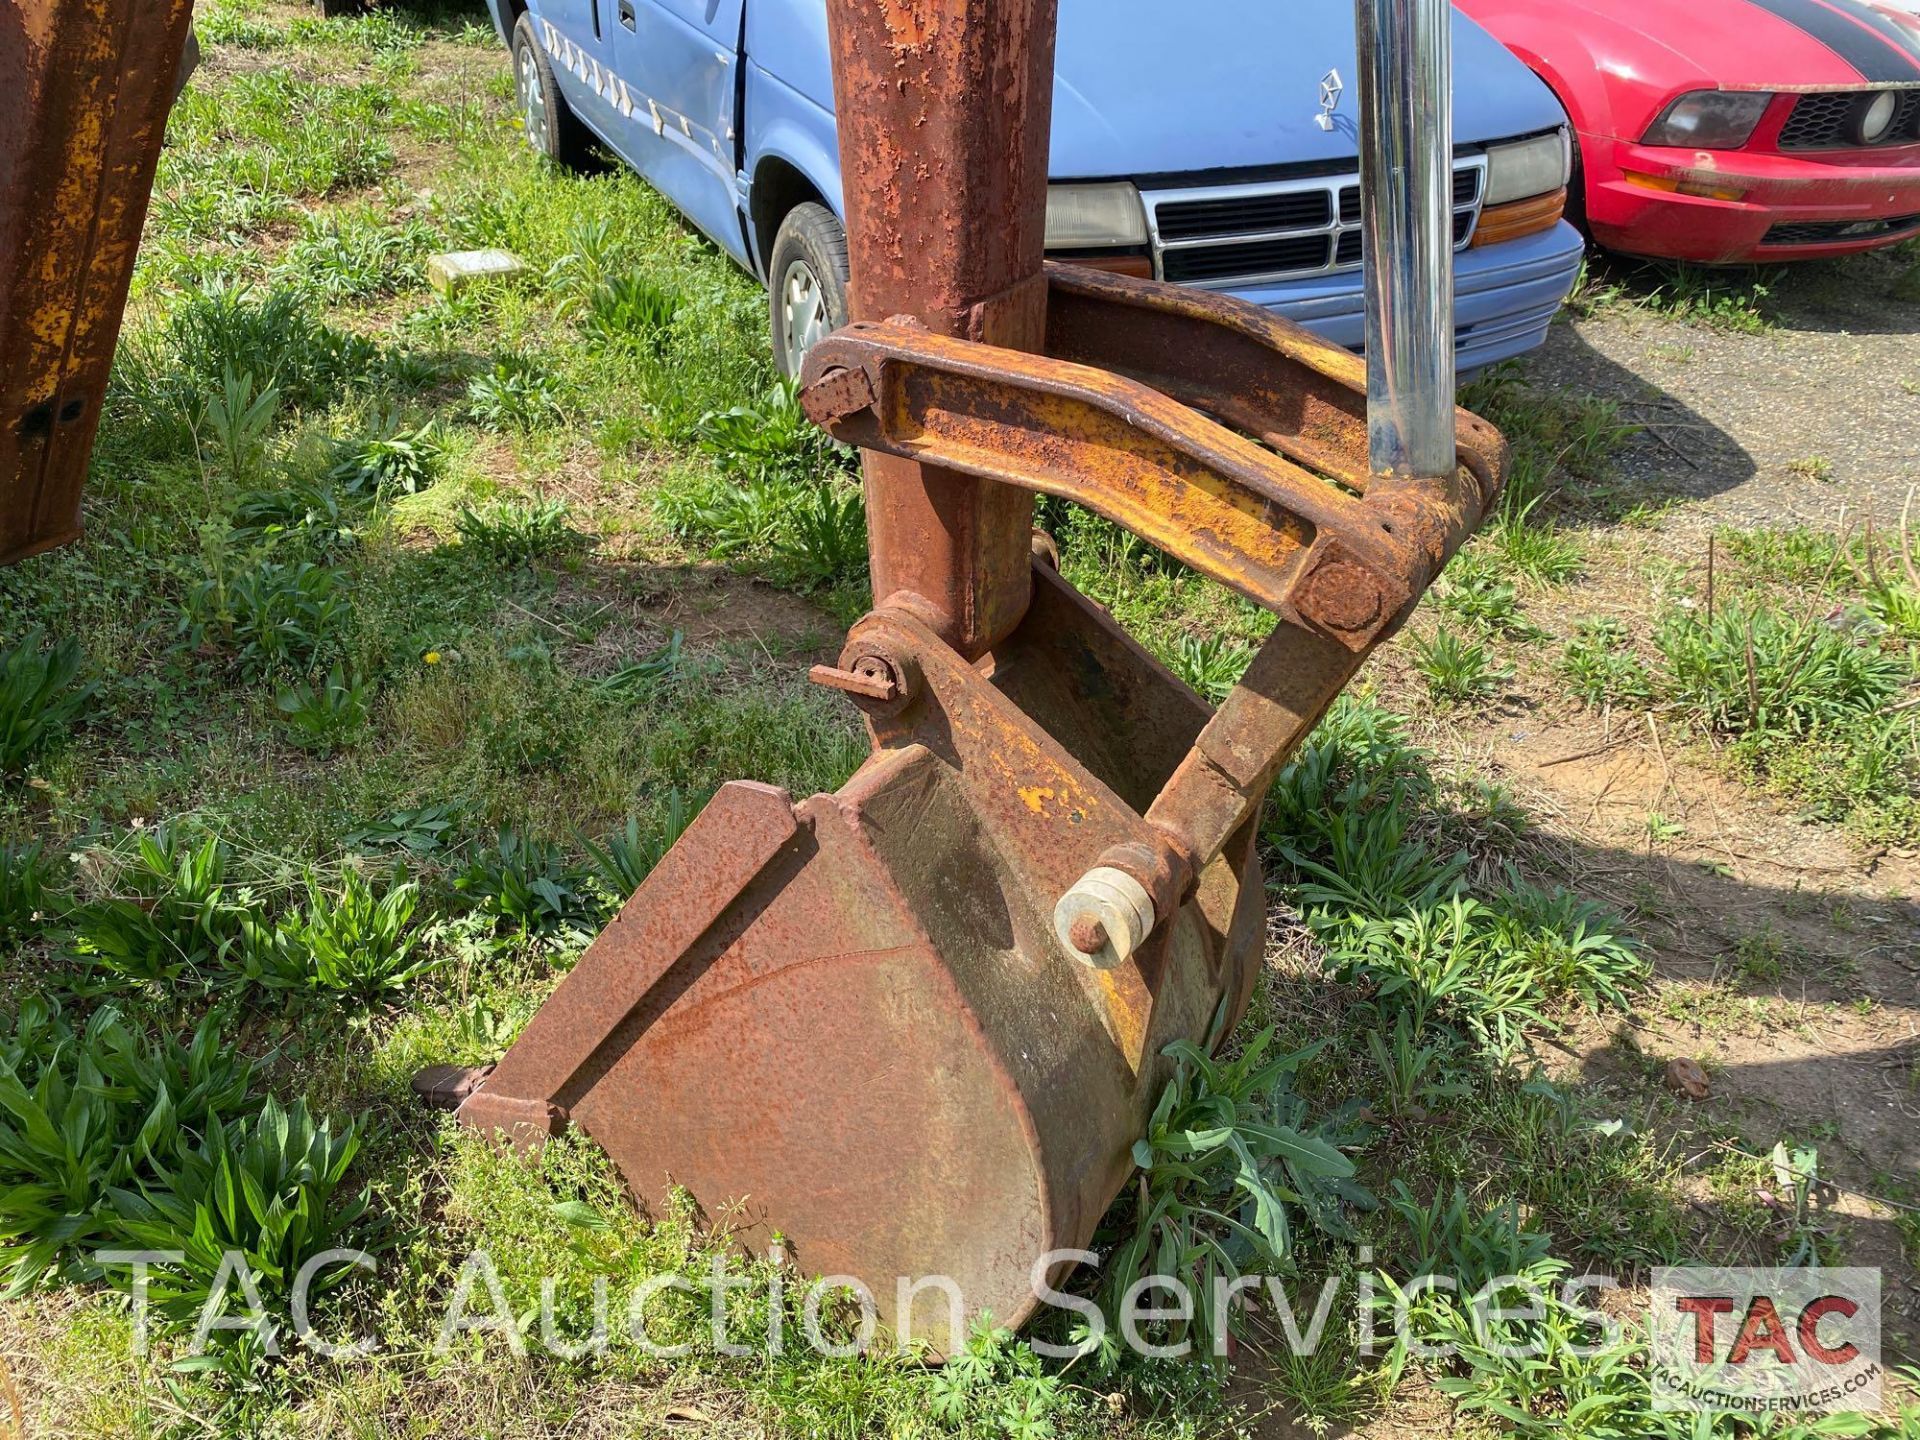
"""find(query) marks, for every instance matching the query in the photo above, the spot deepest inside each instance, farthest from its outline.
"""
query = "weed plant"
(622, 862)
(1758, 670)
(360, 940)
(390, 458)
(1227, 1153)
(509, 534)
(1398, 916)
(530, 885)
(1458, 670)
(170, 912)
(270, 1188)
(327, 714)
(1811, 708)
(85, 1113)
(30, 890)
(41, 698)
(514, 394)
(1600, 664)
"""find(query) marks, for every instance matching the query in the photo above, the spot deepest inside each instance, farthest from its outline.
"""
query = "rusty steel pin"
(1104, 918)
(868, 680)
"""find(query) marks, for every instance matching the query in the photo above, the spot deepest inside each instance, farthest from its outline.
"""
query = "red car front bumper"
(1834, 204)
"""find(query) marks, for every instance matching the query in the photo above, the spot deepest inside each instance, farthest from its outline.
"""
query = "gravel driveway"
(1820, 410)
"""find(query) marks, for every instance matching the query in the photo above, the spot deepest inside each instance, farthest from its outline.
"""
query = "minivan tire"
(551, 127)
(806, 283)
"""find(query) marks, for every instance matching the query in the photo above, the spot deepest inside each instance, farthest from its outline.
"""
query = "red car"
(1732, 130)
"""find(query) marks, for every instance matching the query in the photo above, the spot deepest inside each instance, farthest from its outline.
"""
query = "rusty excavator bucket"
(85, 87)
(915, 1027)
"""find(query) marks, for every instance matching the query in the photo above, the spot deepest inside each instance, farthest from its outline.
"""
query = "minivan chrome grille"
(1232, 235)
(1241, 214)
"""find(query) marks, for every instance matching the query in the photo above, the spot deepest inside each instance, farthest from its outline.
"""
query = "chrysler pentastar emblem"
(1330, 92)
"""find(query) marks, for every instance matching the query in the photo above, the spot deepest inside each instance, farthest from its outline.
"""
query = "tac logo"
(1766, 1341)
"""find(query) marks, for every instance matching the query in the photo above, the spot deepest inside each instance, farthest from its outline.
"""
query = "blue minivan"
(1206, 144)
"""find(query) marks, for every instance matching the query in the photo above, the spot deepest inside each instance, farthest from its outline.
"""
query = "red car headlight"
(1709, 120)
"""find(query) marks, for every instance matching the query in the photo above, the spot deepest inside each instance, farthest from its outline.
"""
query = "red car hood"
(1772, 44)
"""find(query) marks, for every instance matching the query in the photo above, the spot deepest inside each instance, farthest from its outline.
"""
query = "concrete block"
(450, 274)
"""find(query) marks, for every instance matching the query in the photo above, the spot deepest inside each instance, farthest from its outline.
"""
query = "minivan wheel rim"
(533, 100)
(804, 322)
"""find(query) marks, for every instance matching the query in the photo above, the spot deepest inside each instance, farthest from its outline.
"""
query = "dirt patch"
(1786, 960)
(635, 610)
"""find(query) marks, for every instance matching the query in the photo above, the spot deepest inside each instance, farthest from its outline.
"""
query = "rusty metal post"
(85, 87)
(945, 110)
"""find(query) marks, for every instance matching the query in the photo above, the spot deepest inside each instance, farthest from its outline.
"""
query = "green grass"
(352, 253)
(1561, 474)
(1871, 573)
(1736, 299)
(1560, 481)
(1801, 674)
(1601, 666)
(781, 500)
(322, 593)
(40, 697)
(1474, 592)
(1764, 671)
(408, 634)
(1457, 670)
(1364, 828)
(1813, 711)
(246, 154)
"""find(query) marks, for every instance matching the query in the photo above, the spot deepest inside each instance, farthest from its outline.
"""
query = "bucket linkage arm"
(1118, 417)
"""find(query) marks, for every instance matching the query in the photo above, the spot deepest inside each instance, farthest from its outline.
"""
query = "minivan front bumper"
(1505, 296)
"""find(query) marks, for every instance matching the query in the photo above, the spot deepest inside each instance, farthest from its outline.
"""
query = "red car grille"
(1827, 232)
(1825, 122)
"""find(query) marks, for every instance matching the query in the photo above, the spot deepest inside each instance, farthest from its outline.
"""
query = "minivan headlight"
(1527, 167)
(1710, 119)
(1088, 217)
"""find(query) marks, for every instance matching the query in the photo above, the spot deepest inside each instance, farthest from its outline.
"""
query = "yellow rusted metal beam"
(1286, 513)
